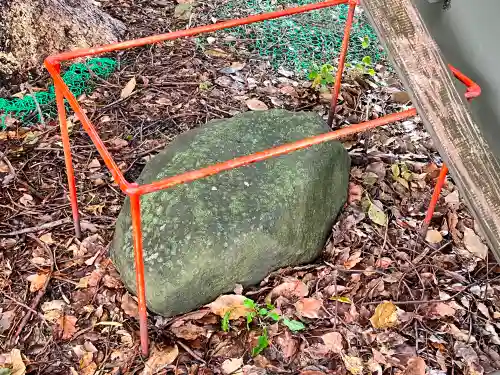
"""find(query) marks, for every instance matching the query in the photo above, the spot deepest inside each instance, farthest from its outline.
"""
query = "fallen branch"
(52, 224)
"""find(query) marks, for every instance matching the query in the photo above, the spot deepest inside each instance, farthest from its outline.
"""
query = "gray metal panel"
(468, 34)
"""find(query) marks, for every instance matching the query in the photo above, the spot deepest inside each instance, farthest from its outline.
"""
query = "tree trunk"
(32, 30)
(445, 113)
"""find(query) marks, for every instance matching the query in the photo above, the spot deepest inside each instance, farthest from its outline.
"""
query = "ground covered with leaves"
(383, 298)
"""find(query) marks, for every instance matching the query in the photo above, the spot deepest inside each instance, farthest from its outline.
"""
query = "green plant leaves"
(274, 316)
(263, 311)
(365, 43)
(294, 325)
(225, 321)
(377, 215)
(321, 75)
(250, 304)
(262, 343)
(367, 60)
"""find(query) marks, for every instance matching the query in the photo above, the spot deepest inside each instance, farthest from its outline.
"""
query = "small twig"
(39, 110)
(42, 318)
(193, 354)
(341, 269)
(38, 228)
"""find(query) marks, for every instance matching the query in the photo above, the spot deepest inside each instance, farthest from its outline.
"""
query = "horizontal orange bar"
(263, 155)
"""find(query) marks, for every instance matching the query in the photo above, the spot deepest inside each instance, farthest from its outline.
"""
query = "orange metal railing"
(132, 189)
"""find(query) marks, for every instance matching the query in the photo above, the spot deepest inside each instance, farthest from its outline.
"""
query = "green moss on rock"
(202, 238)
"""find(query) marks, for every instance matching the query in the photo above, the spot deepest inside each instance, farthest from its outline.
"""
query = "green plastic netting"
(305, 40)
(78, 77)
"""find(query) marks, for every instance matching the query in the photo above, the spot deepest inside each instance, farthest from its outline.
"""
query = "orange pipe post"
(435, 197)
(135, 210)
(68, 161)
(343, 53)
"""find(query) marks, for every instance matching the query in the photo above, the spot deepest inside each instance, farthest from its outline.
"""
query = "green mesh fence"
(302, 41)
(78, 77)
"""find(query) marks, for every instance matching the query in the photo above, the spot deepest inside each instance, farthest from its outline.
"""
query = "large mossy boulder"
(202, 238)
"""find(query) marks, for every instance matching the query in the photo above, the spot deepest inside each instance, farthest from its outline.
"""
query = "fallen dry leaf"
(14, 362)
(415, 366)
(217, 52)
(333, 341)
(474, 244)
(4, 168)
(483, 309)
(111, 282)
(355, 193)
(37, 281)
(377, 215)
(57, 304)
(378, 357)
(47, 238)
(41, 261)
(94, 164)
(385, 315)
(183, 11)
(441, 309)
(256, 105)
(53, 310)
(6, 319)
(129, 306)
(232, 303)
(128, 89)
(87, 365)
(383, 263)
(232, 366)
(26, 200)
(453, 200)
(66, 326)
(433, 236)
(460, 334)
(288, 344)
(309, 307)
(189, 331)
(289, 289)
(353, 364)
(353, 260)
(238, 289)
(160, 358)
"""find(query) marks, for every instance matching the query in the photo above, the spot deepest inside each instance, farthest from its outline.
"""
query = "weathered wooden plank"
(418, 60)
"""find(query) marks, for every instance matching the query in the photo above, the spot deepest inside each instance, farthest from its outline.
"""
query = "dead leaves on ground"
(385, 315)
(66, 327)
(232, 303)
(129, 88)
(159, 358)
(37, 281)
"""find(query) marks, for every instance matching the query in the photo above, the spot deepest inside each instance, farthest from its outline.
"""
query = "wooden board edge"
(417, 59)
